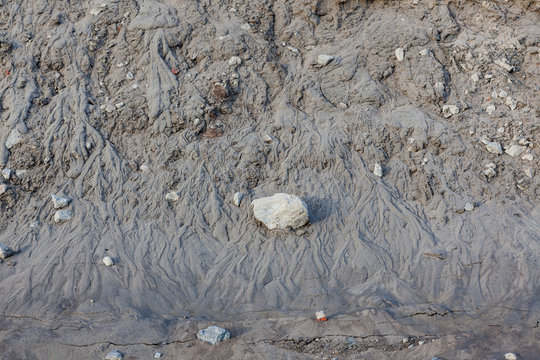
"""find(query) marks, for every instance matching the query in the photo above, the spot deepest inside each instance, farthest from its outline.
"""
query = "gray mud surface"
(115, 103)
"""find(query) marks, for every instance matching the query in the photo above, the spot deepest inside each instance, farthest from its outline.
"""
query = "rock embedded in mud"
(400, 54)
(281, 211)
(108, 261)
(172, 196)
(6, 173)
(504, 65)
(377, 170)
(469, 207)
(449, 110)
(5, 251)
(235, 61)
(510, 356)
(515, 150)
(14, 138)
(114, 355)
(62, 216)
(59, 202)
(237, 198)
(324, 60)
(493, 147)
(213, 334)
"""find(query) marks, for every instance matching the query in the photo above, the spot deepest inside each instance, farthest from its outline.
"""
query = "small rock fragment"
(528, 157)
(281, 211)
(6, 173)
(3, 188)
(245, 27)
(293, 49)
(5, 251)
(235, 61)
(529, 171)
(267, 139)
(493, 147)
(377, 170)
(61, 216)
(144, 167)
(504, 65)
(475, 77)
(489, 172)
(449, 110)
(490, 109)
(511, 103)
(510, 356)
(14, 138)
(119, 105)
(108, 261)
(114, 355)
(59, 202)
(515, 150)
(172, 196)
(469, 207)
(213, 334)
(502, 94)
(320, 316)
(157, 355)
(324, 60)
(400, 54)
(110, 108)
(237, 198)
(129, 76)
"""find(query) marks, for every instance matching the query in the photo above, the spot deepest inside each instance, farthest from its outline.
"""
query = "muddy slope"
(114, 104)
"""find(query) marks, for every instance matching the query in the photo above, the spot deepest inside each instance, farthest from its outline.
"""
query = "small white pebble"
(510, 356)
(469, 207)
(108, 261)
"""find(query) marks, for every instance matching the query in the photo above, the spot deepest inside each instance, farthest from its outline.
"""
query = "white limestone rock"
(14, 138)
(114, 355)
(172, 197)
(377, 170)
(213, 335)
(281, 211)
(449, 110)
(5, 251)
(108, 261)
(400, 54)
(235, 61)
(62, 216)
(59, 202)
(493, 147)
(515, 150)
(237, 198)
(324, 60)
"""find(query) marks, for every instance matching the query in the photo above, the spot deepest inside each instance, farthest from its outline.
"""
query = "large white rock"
(281, 211)
(213, 334)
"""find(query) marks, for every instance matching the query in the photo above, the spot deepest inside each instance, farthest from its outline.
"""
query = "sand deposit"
(162, 120)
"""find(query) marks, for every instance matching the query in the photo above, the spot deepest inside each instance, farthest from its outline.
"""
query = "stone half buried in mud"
(281, 211)
(213, 334)
(62, 216)
(114, 355)
(59, 202)
(320, 315)
(5, 251)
